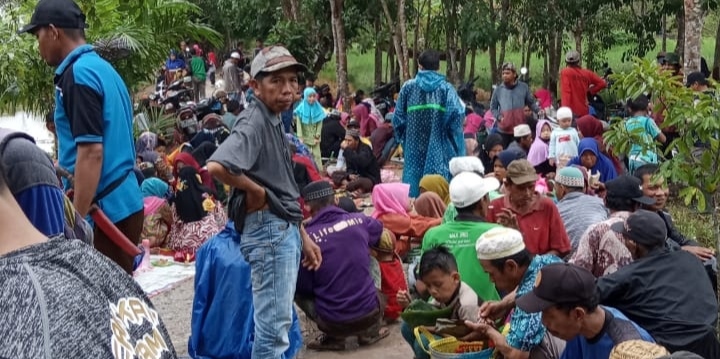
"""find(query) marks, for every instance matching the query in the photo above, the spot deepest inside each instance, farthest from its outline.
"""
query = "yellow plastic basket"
(451, 348)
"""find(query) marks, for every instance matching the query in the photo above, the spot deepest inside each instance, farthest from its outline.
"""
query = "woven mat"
(162, 279)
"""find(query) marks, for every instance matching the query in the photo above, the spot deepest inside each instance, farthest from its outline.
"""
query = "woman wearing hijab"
(538, 154)
(593, 160)
(437, 184)
(174, 67)
(185, 159)
(392, 207)
(429, 204)
(492, 146)
(198, 215)
(158, 213)
(309, 116)
(589, 126)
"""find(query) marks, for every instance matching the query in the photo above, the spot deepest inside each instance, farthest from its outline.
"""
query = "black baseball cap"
(559, 283)
(627, 186)
(696, 77)
(644, 227)
(63, 14)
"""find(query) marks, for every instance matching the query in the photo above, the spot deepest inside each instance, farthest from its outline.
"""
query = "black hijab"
(203, 152)
(189, 196)
(490, 142)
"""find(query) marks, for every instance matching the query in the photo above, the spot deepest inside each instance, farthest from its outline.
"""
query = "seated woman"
(362, 167)
(500, 163)
(429, 204)
(437, 184)
(593, 160)
(158, 213)
(185, 159)
(589, 126)
(198, 215)
(222, 323)
(392, 208)
(492, 146)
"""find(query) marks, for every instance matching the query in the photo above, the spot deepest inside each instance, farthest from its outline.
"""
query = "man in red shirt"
(534, 215)
(576, 82)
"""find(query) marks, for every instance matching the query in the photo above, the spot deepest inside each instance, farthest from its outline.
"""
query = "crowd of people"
(522, 225)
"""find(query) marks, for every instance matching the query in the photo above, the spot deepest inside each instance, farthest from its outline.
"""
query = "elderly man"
(428, 123)
(600, 250)
(502, 254)
(232, 76)
(568, 299)
(341, 296)
(578, 210)
(255, 161)
(535, 215)
(469, 194)
(665, 292)
(523, 139)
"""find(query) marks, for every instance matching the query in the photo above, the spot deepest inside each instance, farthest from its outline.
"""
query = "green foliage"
(143, 29)
(693, 114)
(156, 121)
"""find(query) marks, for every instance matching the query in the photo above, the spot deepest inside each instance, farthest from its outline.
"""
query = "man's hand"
(256, 200)
(343, 144)
(700, 252)
(312, 256)
(508, 219)
(493, 310)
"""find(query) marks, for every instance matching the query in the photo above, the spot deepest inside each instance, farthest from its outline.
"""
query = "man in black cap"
(665, 292)
(340, 296)
(94, 121)
(568, 299)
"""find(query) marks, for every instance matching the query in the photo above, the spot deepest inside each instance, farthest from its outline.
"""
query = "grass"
(692, 224)
(361, 65)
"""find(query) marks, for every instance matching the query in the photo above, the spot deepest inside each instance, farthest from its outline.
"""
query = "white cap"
(522, 130)
(466, 164)
(467, 188)
(564, 112)
(236, 55)
(499, 242)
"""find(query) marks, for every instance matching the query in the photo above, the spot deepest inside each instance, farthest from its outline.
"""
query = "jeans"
(271, 245)
(409, 336)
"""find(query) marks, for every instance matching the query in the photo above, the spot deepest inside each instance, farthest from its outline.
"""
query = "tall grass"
(361, 65)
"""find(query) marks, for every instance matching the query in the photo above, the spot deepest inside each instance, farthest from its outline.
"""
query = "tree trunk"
(503, 47)
(578, 36)
(716, 56)
(290, 9)
(416, 43)
(664, 33)
(680, 44)
(390, 65)
(399, 39)
(494, 69)
(463, 63)
(343, 91)
(694, 20)
(471, 75)
(377, 26)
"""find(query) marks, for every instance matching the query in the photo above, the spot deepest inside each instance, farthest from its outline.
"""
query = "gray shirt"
(26, 164)
(231, 76)
(257, 147)
(63, 299)
(578, 212)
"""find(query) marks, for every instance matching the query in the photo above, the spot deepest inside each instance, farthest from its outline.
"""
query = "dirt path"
(175, 306)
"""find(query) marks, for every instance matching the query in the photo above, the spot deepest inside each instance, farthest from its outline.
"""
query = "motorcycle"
(467, 94)
(207, 106)
(383, 96)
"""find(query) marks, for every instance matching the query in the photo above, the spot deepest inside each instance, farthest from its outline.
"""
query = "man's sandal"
(381, 334)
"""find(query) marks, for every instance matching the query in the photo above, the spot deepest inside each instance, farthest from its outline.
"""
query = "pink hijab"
(544, 98)
(151, 204)
(391, 198)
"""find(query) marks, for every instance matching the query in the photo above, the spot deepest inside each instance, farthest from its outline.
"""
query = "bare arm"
(241, 182)
(87, 175)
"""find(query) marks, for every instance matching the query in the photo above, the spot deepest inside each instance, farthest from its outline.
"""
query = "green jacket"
(197, 66)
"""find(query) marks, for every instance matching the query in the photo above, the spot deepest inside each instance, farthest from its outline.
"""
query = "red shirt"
(575, 84)
(312, 171)
(542, 228)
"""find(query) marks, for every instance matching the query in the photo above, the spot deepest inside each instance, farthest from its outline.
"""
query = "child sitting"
(564, 140)
(439, 273)
(391, 274)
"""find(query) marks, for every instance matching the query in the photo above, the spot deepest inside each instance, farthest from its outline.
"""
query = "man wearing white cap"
(523, 138)
(459, 165)
(469, 193)
(502, 254)
(232, 76)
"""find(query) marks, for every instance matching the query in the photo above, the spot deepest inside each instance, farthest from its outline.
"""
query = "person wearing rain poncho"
(428, 123)
(309, 115)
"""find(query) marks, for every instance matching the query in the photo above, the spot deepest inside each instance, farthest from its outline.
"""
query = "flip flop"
(382, 333)
(327, 343)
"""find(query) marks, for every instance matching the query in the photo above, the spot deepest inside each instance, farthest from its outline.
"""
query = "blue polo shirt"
(92, 105)
(616, 329)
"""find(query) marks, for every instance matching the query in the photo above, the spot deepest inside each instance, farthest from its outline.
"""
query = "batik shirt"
(601, 250)
(526, 329)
